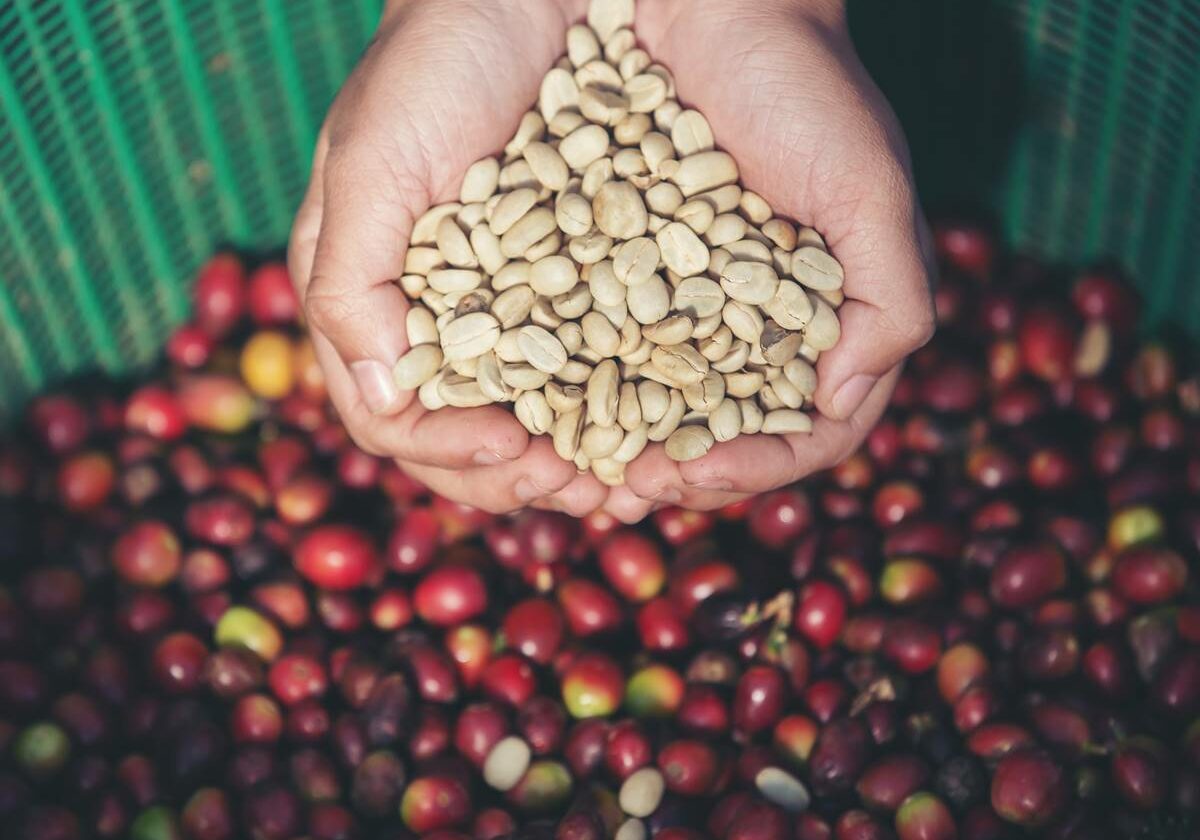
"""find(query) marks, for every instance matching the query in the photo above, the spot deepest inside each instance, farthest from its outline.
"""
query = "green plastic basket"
(138, 135)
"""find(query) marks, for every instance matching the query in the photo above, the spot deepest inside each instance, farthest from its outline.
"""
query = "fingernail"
(527, 491)
(487, 458)
(851, 395)
(375, 384)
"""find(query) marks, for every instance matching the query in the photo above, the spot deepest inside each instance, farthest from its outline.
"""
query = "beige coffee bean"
(558, 91)
(735, 359)
(816, 269)
(467, 368)
(673, 330)
(802, 376)
(779, 346)
(647, 370)
(787, 393)
(417, 366)
(725, 228)
(682, 250)
(666, 114)
(621, 42)
(655, 223)
(570, 335)
(769, 400)
(582, 462)
(717, 345)
(518, 175)
(752, 417)
(597, 174)
(470, 336)
(462, 392)
(600, 441)
(656, 148)
(717, 260)
(609, 472)
(781, 233)
(640, 354)
(480, 181)
(447, 280)
(513, 274)
(646, 92)
(725, 421)
(429, 395)
(541, 349)
(631, 334)
(600, 335)
(791, 307)
(629, 409)
(553, 275)
(689, 443)
(664, 198)
(603, 391)
(705, 327)
(574, 303)
(567, 429)
(808, 354)
(582, 45)
(632, 444)
(471, 215)
(512, 306)
(606, 288)
(420, 327)
(752, 283)
(563, 398)
(583, 146)
(743, 384)
(756, 356)
(636, 261)
(781, 261)
(785, 422)
(590, 248)
(598, 74)
(435, 302)
(834, 297)
(424, 230)
(534, 236)
(619, 211)
(649, 302)
(681, 363)
(413, 284)
(630, 130)
(697, 215)
(824, 330)
(699, 297)
(705, 171)
(749, 250)
(486, 246)
(510, 209)
(573, 213)
(755, 208)
(543, 314)
(806, 236)
(691, 133)
(669, 422)
(602, 106)
(574, 372)
(705, 395)
(531, 127)
(534, 413)
(629, 164)
(633, 63)
(654, 400)
(547, 164)
(588, 355)
(421, 260)
(743, 320)
(724, 199)
(487, 374)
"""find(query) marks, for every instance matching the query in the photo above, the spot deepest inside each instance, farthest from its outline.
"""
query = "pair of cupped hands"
(445, 82)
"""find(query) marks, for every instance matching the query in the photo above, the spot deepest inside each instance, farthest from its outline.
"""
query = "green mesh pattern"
(136, 136)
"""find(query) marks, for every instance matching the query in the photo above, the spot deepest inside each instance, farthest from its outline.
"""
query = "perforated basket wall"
(138, 135)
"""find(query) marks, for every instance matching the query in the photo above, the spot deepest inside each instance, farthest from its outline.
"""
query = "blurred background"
(138, 135)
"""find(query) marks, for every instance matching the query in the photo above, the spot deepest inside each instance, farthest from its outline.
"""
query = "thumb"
(352, 298)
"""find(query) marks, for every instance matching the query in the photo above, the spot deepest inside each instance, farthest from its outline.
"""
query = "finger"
(626, 506)
(538, 474)
(583, 495)
(655, 478)
(302, 242)
(351, 299)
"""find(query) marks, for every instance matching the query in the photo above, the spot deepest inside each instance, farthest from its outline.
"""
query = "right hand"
(443, 84)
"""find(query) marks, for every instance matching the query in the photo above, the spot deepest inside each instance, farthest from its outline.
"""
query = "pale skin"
(445, 82)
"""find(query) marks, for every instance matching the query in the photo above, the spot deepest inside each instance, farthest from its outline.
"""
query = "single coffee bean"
(681, 363)
(531, 229)
(787, 393)
(599, 75)
(816, 269)
(749, 250)
(656, 148)
(790, 307)
(744, 321)
(518, 175)
(447, 280)
(705, 327)
(421, 260)
(417, 366)
(487, 374)
(785, 422)
(597, 174)
(649, 302)
(664, 198)
(573, 303)
(717, 346)
(752, 283)
(583, 146)
(725, 421)
(674, 330)
(568, 427)
(824, 330)
(630, 164)
(666, 114)
(506, 763)
(600, 335)
(600, 441)
(471, 215)
(682, 250)
(429, 394)
(607, 17)
(743, 384)
(534, 412)
(699, 297)
(454, 245)
(570, 335)
(629, 409)
(420, 327)
(782, 233)
(726, 228)
(802, 375)
(654, 400)
(648, 371)
(574, 372)
(632, 444)
(691, 133)
(636, 261)
(640, 354)
(717, 260)
(808, 354)
(541, 349)
(806, 236)
(546, 247)
(563, 398)
(424, 230)
(590, 248)
(783, 789)
(752, 417)
(512, 306)
(486, 246)
(605, 285)
(705, 171)
(435, 302)
(603, 391)
(630, 130)
(609, 472)
(619, 211)
(465, 367)
(511, 207)
(573, 213)
(834, 298)
(688, 443)
(531, 127)
(696, 214)
(470, 336)
(672, 417)
(413, 285)
(462, 392)
(582, 45)
(735, 359)
(602, 106)
(630, 331)
(646, 92)
(558, 91)
(513, 274)
(507, 349)
(705, 395)
(633, 63)
(755, 208)
(779, 346)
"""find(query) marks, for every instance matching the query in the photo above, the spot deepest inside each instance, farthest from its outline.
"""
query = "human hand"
(787, 96)
(443, 84)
